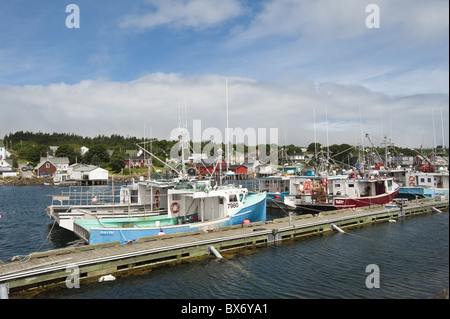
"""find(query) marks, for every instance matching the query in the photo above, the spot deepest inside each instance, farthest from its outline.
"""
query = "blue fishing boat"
(191, 206)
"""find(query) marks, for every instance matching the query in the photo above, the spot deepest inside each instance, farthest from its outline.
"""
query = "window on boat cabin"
(233, 198)
(176, 197)
(351, 185)
(241, 196)
(337, 185)
(389, 183)
(429, 180)
(422, 180)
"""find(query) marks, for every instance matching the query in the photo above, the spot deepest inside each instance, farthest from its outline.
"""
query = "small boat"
(142, 199)
(192, 206)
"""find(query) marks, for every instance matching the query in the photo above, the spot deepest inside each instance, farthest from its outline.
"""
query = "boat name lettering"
(339, 201)
(106, 232)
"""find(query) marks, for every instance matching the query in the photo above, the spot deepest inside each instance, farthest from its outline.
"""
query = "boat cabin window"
(351, 185)
(337, 185)
(429, 180)
(241, 196)
(389, 182)
(422, 180)
(176, 197)
(233, 198)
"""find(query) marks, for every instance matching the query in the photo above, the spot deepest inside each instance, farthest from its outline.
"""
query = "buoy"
(107, 278)
(161, 232)
(94, 199)
(246, 221)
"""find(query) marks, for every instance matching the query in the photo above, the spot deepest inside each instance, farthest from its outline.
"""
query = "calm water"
(412, 256)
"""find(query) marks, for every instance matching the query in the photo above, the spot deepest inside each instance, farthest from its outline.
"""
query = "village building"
(49, 165)
(81, 174)
(135, 161)
(4, 154)
(214, 169)
(6, 169)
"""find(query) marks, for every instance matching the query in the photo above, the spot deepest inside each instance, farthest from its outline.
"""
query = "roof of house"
(83, 167)
(54, 160)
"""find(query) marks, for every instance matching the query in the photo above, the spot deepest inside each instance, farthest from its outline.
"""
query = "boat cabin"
(199, 201)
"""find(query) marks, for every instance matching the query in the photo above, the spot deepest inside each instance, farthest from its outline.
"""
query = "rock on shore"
(19, 181)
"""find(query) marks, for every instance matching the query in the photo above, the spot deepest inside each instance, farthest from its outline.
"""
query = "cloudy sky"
(311, 69)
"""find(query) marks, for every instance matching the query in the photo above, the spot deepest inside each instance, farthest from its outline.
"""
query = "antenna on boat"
(151, 154)
(315, 138)
(442, 126)
(227, 147)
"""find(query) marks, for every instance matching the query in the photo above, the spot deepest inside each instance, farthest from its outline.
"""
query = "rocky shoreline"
(19, 181)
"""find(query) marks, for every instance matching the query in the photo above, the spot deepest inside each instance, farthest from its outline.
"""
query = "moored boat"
(192, 206)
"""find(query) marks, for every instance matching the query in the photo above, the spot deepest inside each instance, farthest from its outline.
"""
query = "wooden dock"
(51, 269)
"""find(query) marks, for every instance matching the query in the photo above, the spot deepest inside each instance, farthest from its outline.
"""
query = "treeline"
(32, 146)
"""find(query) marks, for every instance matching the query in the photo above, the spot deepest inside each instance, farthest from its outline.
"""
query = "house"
(49, 165)
(4, 154)
(234, 171)
(81, 174)
(6, 169)
(135, 161)
(297, 157)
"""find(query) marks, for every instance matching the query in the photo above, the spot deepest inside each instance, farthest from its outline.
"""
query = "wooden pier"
(52, 269)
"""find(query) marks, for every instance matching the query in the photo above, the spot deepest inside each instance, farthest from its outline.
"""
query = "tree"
(117, 161)
(69, 151)
(313, 147)
(101, 152)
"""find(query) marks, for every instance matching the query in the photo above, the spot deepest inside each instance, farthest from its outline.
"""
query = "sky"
(331, 71)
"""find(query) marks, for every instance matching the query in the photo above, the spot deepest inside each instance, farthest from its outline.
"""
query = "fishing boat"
(141, 199)
(192, 206)
(335, 192)
(425, 183)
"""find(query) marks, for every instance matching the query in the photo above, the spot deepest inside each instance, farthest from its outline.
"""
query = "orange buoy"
(246, 221)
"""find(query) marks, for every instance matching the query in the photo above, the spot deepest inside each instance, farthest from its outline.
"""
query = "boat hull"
(346, 203)
(95, 235)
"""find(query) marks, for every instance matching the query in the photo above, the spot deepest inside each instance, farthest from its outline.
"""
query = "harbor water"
(411, 255)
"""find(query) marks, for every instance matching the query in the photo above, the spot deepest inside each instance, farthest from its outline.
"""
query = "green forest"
(110, 151)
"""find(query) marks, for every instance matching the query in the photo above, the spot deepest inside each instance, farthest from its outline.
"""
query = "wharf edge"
(49, 270)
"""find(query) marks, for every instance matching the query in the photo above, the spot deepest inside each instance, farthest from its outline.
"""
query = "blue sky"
(131, 64)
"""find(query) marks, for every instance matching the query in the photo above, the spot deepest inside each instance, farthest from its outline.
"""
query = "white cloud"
(154, 101)
(197, 14)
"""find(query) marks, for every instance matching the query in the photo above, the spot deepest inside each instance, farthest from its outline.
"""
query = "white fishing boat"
(192, 206)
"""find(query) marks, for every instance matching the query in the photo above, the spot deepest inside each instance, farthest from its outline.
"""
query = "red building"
(134, 161)
(49, 165)
(240, 171)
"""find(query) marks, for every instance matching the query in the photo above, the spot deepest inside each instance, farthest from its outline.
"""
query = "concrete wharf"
(51, 269)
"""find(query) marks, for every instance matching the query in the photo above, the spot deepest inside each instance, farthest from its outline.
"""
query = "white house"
(6, 169)
(4, 154)
(82, 174)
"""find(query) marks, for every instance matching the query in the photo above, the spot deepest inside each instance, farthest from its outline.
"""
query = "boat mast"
(227, 147)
